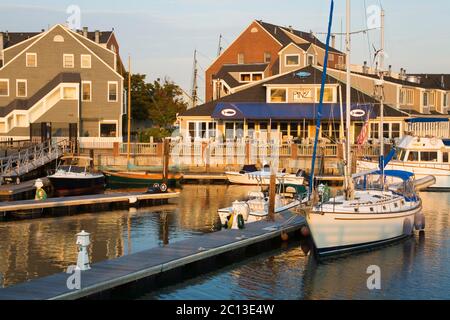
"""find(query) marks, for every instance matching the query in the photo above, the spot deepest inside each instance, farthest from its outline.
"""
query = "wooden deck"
(130, 198)
(125, 273)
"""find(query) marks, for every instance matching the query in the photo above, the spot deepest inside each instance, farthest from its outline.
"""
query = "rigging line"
(353, 32)
(367, 34)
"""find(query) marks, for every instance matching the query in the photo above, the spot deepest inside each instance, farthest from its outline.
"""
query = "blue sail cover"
(426, 120)
(286, 111)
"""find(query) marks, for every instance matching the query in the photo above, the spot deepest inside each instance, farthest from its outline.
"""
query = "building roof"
(12, 38)
(437, 81)
(257, 93)
(278, 33)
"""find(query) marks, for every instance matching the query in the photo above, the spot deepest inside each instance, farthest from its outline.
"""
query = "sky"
(161, 35)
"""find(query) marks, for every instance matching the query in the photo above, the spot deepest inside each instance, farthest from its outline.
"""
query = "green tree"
(166, 103)
(140, 96)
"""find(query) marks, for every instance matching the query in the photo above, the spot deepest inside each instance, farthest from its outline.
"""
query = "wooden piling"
(272, 193)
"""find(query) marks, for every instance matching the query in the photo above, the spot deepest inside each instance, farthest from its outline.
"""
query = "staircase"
(28, 160)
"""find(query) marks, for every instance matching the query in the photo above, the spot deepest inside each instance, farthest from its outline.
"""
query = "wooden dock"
(147, 270)
(94, 202)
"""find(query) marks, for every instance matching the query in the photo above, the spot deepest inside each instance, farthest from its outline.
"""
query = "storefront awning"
(427, 120)
(284, 111)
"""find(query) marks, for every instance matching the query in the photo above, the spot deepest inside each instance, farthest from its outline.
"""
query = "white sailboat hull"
(261, 179)
(335, 233)
(420, 170)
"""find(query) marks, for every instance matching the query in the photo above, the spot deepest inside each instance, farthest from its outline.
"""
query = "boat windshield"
(75, 165)
(401, 155)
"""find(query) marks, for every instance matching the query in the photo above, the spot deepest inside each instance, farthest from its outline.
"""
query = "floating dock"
(100, 202)
(148, 270)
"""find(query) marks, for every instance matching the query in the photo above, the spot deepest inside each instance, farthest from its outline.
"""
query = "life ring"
(156, 185)
(434, 141)
(41, 194)
(241, 222)
(163, 187)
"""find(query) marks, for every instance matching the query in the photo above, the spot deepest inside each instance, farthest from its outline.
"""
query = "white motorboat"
(256, 208)
(421, 156)
(249, 177)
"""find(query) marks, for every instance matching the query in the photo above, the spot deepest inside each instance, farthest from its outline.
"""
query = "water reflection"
(36, 248)
(416, 268)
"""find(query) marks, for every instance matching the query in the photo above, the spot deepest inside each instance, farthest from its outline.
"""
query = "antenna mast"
(194, 92)
(219, 51)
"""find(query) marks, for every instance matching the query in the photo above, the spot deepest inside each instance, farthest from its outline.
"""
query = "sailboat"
(368, 213)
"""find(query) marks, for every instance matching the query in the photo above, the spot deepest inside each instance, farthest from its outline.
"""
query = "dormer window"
(251, 77)
(292, 60)
(246, 77)
(445, 97)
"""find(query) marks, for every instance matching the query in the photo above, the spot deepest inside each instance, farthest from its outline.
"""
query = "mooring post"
(272, 195)
(166, 153)
(83, 242)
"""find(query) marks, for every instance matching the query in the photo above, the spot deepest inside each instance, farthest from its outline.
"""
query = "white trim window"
(241, 58)
(86, 61)
(86, 91)
(247, 77)
(68, 61)
(31, 60)
(406, 97)
(113, 91)
(4, 87)
(108, 129)
(445, 97)
(202, 129)
(69, 93)
(278, 95)
(330, 95)
(292, 60)
(392, 130)
(21, 88)
(310, 59)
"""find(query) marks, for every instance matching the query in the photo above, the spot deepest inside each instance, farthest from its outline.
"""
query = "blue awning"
(404, 175)
(424, 120)
(287, 111)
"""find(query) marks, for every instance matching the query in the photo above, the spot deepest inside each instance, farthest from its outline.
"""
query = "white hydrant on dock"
(83, 242)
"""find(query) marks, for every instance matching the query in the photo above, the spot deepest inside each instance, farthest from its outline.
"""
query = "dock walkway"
(142, 269)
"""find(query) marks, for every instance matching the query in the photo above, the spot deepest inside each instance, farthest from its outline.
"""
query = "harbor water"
(416, 268)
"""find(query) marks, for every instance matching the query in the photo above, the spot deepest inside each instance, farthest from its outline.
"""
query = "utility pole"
(194, 93)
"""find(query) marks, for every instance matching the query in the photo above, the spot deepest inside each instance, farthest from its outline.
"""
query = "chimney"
(333, 41)
(442, 82)
(291, 30)
(97, 36)
(85, 32)
(311, 33)
(390, 71)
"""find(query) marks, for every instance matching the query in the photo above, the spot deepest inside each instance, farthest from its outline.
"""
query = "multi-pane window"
(267, 57)
(4, 88)
(21, 88)
(86, 61)
(31, 60)
(375, 131)
(113, 91)
(328, 96)
(69, 61)
(429, 156)
(445, 100)
(426, 99)
(87, 91)
(292, 60)
(108, 130)
(278, 95)
(246, 77)
(406, 97)
(250, 77)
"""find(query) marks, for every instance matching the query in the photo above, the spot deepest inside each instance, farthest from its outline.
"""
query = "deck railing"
(139, 149)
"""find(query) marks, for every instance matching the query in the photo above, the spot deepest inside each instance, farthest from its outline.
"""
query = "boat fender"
(132, 200)
(419, 221)
(163, 187)
(241, 222)
(41, 194)
(230, 222)
(225, 225)
(156, 186)
(305, 232)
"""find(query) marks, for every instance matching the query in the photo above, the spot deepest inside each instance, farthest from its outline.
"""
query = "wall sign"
(229, 112)
(358, 113)
(303, 95)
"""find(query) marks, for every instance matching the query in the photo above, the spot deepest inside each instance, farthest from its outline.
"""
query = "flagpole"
(129, 112)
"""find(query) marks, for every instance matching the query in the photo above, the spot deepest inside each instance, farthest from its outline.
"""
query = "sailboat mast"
(129, 111)
(382, 84)
(348, 96)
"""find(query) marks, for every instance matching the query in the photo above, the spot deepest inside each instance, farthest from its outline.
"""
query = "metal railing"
(139, 149)
(32, 158)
